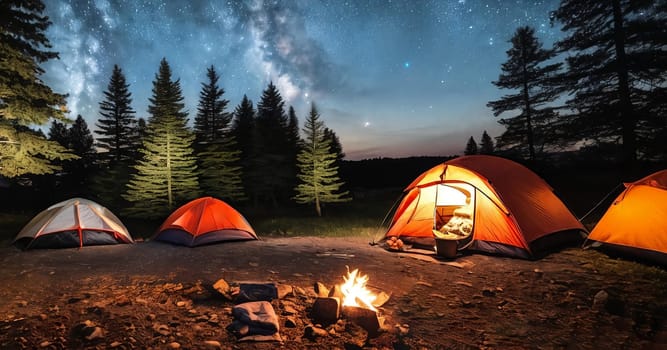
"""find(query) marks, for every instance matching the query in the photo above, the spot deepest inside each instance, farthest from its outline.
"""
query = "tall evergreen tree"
(116, 139)
(81, 143)
(58, 132)
(486, 144)
(615, 72)
(211, 121)
(526, 72)
(217, 155)
(471, 147)
(294, 146)
(243, 131)
(319, 180)
(271, 149)
(74, 179)
(25, 101)
(167, 172)
(336, 146)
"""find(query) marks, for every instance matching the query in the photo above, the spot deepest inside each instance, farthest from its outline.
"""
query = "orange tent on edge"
(636, 222)
(203, 221)
(484, 203)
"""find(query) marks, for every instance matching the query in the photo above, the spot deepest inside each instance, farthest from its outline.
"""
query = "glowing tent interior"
(484, 203)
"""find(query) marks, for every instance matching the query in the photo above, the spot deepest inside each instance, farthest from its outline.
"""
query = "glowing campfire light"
(355, 292)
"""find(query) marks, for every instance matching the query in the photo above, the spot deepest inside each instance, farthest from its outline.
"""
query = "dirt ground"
(155, 296)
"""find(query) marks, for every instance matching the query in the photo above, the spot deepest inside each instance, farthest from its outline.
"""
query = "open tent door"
(454, 217)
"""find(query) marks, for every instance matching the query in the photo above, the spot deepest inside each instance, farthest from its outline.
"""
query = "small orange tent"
(636, 222)
(75, 222)
(484, 203)
(202, 221)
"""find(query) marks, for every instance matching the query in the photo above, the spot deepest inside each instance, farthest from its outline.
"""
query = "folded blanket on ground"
(254, 318)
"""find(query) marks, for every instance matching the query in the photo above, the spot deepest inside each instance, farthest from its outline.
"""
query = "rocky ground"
(156, 296)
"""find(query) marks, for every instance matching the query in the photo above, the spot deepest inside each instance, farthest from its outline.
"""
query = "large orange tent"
(484, 203)
(202, 221)
(636, 222)
(75, 222)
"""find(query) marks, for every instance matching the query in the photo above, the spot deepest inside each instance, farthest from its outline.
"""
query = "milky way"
(392, 78)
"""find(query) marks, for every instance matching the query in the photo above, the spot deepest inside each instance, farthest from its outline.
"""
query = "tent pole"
(599, 203)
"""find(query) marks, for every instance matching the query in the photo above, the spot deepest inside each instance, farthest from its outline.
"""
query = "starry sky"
(392, 78)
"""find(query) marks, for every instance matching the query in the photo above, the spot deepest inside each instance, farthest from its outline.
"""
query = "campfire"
(352, 300)
(355, 292)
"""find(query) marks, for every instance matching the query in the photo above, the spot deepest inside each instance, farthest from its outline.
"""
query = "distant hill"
(386, 172)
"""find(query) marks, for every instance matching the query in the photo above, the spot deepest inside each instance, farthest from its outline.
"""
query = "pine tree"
(81, 143)
(117, 141)
(294, 146)
(58, 132)
(167, 172)
(272, 168)
(217, 155)
(471, 147)
(116, 123)
(25, 101)
(243, 129)
(525, 71)
(336, 146)
(211, 121)
(486, 144)
(75, 176)
(319, 180)
(615, 72)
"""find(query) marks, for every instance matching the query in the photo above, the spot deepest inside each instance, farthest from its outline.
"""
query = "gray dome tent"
(75, 222)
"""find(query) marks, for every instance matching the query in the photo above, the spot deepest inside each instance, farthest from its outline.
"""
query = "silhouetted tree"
(471, 147)
(336, 146)
(271, 171)
(526, 72)
(615, 72)
(212, 121)
(294, 146)
(74, 179)
(486, 144)
(243, 130)
(81, 142)
(319, 180)
(117, 141)
(217, 155)
(167, 172)
(25, 101)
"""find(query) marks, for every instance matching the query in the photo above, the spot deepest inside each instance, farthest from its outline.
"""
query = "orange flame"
(355, 292)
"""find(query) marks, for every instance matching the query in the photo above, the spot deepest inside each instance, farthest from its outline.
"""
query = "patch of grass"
(359, 218)
(313, 226)
(11, 224)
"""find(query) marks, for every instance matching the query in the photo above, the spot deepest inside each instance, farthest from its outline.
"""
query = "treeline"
(146, 168)
(600, 90)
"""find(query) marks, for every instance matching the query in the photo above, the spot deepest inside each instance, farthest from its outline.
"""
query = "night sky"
(392, 78)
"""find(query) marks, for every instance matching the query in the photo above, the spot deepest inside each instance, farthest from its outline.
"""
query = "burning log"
(326, 310)
(365, 318)
(353, 301)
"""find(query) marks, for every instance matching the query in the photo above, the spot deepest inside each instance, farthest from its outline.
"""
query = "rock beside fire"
(326, 310)
(365, 318)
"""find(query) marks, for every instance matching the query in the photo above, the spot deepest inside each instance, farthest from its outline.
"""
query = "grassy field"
(362, 217)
